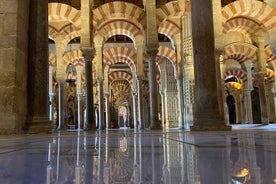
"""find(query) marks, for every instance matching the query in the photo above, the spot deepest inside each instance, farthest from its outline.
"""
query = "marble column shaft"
(134, 109)
(107, 110)
(100, 101)
(207, 115)
(38, 66)
(261, 70)
(140, 101)
(247, 93)
(153, 90)
(89, 54)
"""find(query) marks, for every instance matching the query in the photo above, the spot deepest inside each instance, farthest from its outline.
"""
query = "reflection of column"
(107, 110)
(58, 155)
(140, 159)
(134, 109)
(49, 167)
(106, 164)
(207, 115)
(247, 93)
(38, 66)
(100, 164)
(89, 54)
(135, 164)
(261, 72)
(139, 105)
(88, 162)
(78, 166)
(100, 101)
(153, 90)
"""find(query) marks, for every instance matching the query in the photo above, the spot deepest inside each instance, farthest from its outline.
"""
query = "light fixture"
(71, 73)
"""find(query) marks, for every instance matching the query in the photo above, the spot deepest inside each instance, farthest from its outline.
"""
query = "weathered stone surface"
(7, 79)
(10, 24)
(7, 102)
(7, 41)
(9, 6)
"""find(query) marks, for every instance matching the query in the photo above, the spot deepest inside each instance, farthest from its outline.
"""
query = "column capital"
(151, 50)
(88, 53)
(100, 80)
(107, 94)
(140, 77)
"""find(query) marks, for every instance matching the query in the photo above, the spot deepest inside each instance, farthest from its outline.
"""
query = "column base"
(39, 125)
(156, 128)
(89, 127)
(210, 128)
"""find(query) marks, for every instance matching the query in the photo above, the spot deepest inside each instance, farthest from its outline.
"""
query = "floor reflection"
(127, 156)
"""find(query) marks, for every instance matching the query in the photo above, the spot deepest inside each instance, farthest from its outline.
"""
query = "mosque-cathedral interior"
(158, 75)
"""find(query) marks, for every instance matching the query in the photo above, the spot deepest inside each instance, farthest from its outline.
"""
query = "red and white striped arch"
(121, 86)
(233, 86)
(58, 11)
(168, 53)
(257, 10)
(122, 27)
(269, 54)
(119, 75)
(75, 56)
(240, 52)
(243, 24)
(236, 72)
(172, 8)
(123, 52)
(52, 59)
(270, 75)
(170, 29)
(119, 9)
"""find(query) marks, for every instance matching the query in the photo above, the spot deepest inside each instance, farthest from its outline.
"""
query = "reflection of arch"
(231, 109)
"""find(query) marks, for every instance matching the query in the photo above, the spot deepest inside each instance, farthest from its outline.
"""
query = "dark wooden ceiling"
(76, 3)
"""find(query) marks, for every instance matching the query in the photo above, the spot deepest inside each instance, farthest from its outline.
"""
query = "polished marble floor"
(245, 155)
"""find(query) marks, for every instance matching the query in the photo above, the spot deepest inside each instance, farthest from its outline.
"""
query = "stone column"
(261, 72)
(207, 114)
(238, 106)
(107, 110)
(180, 101)
(162, 93)
(79, 93)
(38, 66)
(134, 94)
(89, 54)
(153, 89)
(100, 101)
(139, 105)
(247, 93)
(51, 96)
(179, 80)
(51, 92)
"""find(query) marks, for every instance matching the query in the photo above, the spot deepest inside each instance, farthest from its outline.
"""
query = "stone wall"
(13, 64)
